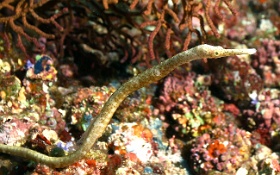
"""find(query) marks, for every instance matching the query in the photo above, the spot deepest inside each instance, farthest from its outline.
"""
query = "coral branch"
(98, 126)
(209, 20)
(182, 15)
(21, 11)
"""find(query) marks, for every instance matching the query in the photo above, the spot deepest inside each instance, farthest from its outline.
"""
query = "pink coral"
(175, 89)
(267, 110)
(224, 150)
(13, 131)
(187, 99)
(267, 62)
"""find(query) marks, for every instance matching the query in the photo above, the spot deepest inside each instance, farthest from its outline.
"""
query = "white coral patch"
(141, 148)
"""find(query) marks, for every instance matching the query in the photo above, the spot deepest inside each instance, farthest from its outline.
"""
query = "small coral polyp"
(216, 148)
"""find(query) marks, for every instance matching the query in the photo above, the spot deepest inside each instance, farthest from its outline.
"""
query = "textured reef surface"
(209, 117)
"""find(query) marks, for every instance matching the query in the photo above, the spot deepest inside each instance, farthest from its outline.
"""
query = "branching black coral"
(97, 127)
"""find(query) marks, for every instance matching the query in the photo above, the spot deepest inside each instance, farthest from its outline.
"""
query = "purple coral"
(266, 61)
(266, 117)
(13, 131)
(223, 150)
(176, 88)
(187, 99)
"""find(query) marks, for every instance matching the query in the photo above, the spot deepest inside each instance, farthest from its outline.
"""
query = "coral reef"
(267, 62)
(138, 146)
(61, 61)
(186, 98)
(225, 149)
(236, 79)
(119, 26)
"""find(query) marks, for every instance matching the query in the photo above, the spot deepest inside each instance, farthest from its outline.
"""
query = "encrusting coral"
(98, 126)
